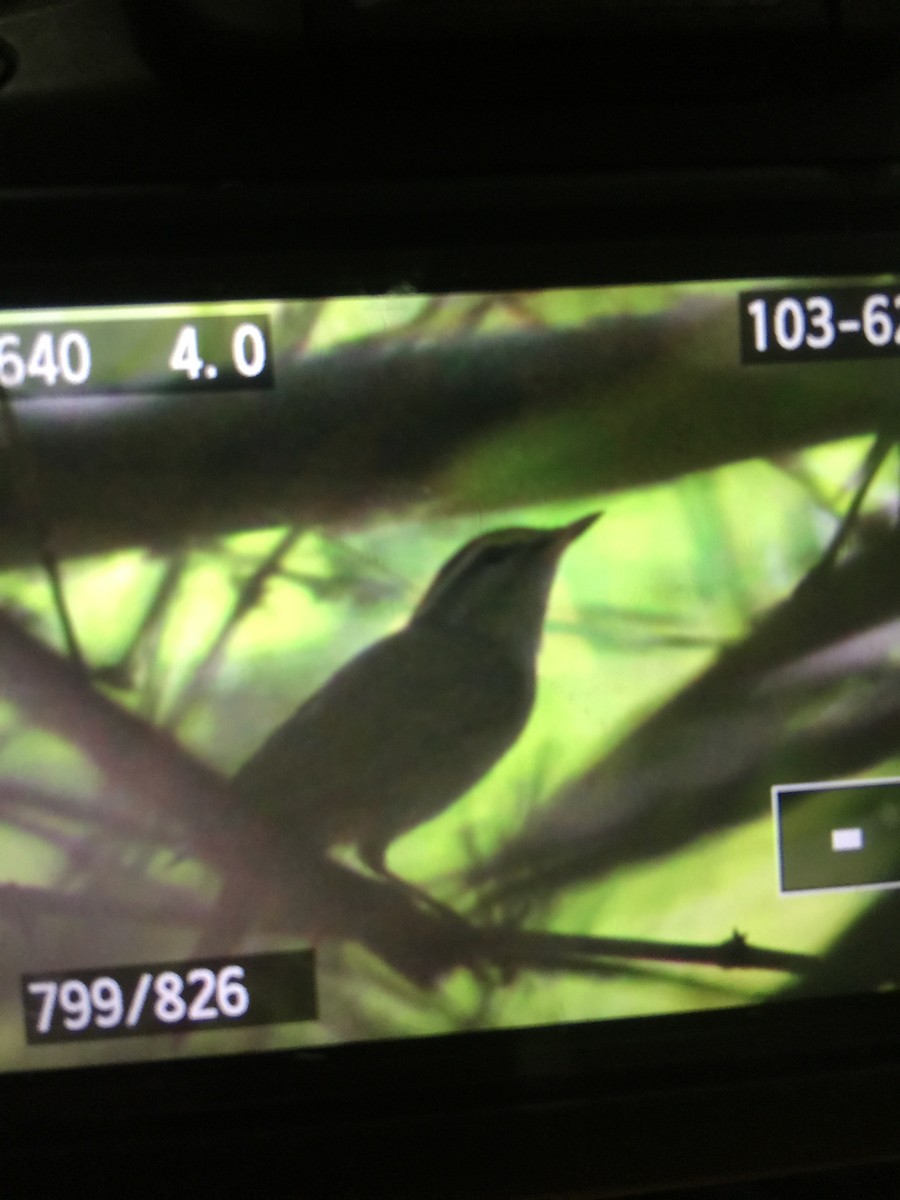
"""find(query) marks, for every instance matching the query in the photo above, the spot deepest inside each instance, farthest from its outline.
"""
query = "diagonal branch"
(811, 693)
(313, 899)
(467, 422)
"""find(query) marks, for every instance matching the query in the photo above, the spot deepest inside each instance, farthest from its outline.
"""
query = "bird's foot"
(425, 900)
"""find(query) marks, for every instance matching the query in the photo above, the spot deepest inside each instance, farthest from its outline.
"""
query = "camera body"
(199, 153)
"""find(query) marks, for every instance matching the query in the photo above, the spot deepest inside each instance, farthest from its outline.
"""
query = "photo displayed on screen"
(417, 664)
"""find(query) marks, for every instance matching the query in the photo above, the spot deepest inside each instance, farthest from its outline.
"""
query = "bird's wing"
(391, 739)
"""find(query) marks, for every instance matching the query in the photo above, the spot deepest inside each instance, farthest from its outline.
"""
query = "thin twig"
(120, 673)
(16, 795)
(530, 948)
(247, 599)
(874, 460)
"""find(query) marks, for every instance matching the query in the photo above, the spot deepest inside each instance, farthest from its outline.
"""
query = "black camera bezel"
(633, 1105)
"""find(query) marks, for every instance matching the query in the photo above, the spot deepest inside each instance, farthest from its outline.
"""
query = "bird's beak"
(559, 539)
(568, 533)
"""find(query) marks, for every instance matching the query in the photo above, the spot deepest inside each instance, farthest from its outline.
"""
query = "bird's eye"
(493, 554)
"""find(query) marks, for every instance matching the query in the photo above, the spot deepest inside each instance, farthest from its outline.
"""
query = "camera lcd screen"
(403, 665)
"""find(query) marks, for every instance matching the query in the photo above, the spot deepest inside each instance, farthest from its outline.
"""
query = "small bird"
(414, 721)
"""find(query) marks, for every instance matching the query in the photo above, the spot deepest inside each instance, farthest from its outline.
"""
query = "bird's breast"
(452, 706)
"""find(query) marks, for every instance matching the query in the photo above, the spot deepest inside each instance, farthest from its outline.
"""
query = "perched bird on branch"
(414, 721)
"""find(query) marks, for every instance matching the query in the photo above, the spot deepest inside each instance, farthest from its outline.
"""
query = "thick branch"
(137, 760)
(470, 422)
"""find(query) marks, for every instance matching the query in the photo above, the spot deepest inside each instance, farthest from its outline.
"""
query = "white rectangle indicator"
(846, 839)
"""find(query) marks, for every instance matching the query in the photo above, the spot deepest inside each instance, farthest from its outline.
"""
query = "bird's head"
(499, 583)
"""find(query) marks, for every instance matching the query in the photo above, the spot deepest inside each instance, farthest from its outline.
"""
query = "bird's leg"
(374, 856)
